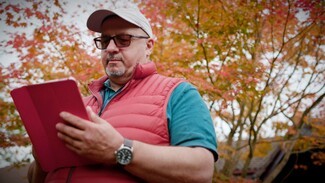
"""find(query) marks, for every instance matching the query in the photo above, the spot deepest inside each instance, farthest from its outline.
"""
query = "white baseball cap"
(132, 15)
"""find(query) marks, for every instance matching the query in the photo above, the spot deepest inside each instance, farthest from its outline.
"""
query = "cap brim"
(133, 16)
(95, 20)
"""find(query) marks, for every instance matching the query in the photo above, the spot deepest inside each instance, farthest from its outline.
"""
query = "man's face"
(118, 62)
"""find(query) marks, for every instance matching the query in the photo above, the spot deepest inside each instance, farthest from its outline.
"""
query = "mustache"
(113, 57)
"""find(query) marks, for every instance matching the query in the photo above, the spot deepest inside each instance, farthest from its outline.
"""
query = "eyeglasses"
(121, 40)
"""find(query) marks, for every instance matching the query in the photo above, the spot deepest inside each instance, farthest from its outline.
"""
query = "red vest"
(138, 112)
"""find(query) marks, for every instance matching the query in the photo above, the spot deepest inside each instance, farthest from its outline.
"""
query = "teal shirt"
(189, 120)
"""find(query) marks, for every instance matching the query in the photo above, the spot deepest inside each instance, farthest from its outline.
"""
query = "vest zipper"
(124, 88)
(70, 174)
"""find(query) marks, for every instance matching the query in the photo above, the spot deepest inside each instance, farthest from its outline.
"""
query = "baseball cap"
(132, 15)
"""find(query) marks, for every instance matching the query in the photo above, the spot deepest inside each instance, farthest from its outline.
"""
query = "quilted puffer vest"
(138, 112)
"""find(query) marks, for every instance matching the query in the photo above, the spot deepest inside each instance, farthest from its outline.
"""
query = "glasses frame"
(116, 40)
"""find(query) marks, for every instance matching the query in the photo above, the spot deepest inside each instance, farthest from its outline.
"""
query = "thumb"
(93, 116)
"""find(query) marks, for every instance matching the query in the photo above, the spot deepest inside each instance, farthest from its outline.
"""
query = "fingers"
(71, 143)
(69, 131)
(90, 112)
(93, 116)
(73, 120)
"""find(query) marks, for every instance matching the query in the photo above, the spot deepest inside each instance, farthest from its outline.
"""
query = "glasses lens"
(104, 41)
(100, 43)
(122, 40)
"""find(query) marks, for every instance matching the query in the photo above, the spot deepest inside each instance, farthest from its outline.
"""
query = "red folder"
(39, 106)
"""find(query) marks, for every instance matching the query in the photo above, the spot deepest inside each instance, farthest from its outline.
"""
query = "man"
(143, 127)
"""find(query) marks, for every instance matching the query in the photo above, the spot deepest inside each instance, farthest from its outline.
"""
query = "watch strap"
(128, 143)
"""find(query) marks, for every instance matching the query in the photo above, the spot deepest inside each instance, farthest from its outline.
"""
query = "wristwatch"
(124, 154)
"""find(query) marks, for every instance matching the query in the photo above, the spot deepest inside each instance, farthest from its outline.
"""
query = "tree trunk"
(229, 164)
(248, 162)
(280, 166)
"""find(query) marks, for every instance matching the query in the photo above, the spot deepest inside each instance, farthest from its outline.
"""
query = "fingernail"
(59, 135)
(63, 114)
(89, 108)
(57, 126)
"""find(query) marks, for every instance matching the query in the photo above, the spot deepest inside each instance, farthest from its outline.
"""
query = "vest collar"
(141, 71)
(144, 70)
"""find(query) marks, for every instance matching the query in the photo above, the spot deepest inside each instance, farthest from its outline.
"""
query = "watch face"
(124, 156)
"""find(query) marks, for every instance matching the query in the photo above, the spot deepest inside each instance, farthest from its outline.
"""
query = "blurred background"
(258, 64)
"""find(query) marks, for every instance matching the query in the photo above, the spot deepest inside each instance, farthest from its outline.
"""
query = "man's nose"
(111, 47)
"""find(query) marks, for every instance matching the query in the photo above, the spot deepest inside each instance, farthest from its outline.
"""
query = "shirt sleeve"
(189, 120)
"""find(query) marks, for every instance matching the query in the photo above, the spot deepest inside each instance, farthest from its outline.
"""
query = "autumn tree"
(47, 43)
(258, 64)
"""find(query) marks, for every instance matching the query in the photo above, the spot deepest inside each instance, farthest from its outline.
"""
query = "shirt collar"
(107, 84)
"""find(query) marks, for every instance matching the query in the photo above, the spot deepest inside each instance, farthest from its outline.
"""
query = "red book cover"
(39, 106)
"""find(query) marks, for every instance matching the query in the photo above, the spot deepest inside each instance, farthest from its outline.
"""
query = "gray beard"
(115, 73)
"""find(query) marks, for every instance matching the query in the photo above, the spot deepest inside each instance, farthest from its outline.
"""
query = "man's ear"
(149, 46)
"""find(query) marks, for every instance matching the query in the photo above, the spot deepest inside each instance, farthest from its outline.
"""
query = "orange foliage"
(49, 50)
(251, 60)
(255, 62)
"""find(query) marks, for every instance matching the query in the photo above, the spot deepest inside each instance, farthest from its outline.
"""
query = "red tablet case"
(39, 106)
